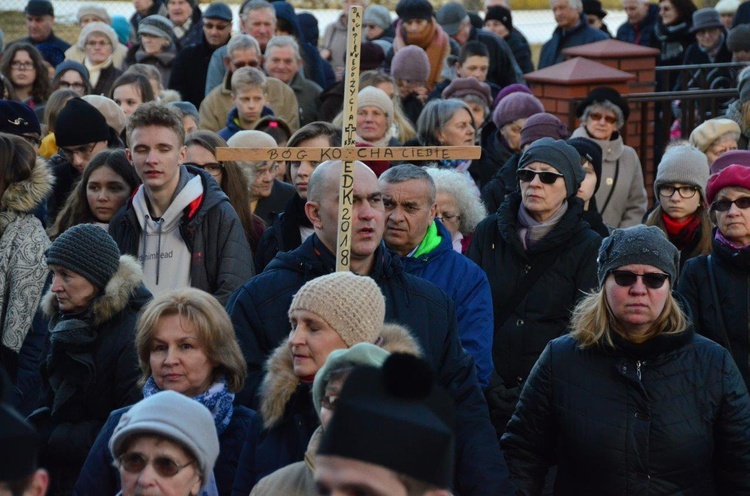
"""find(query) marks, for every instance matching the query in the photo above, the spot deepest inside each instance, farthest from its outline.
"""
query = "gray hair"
(247, 6)
(452, 182)
(409, 172)
(242, 42)
(282, 42)
(575, 4)
(435, 116)
(606, 105)
(477, 100)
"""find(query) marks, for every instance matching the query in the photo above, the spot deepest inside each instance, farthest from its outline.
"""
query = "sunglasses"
(652, 280)
(724, 205)
(136, 463)
(596, 117)
(547, 177)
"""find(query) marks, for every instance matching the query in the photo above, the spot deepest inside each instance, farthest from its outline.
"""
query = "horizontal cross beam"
(396, 153)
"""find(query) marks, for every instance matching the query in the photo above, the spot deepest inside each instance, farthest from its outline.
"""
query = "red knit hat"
(735, 175)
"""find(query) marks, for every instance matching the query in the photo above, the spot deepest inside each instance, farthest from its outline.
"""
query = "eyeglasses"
(164, 466)
(213, 168)
(239, 65)
(221, 27)
(685, 191)
(547, 177)
(100, 43)
(596, 117)
(448, 218)
(75, 86)
(724, 205)
(84, 151)
(652, 280)
(22, 66)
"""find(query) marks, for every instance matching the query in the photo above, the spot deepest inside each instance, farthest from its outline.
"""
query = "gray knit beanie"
(352, 305)
(176, 417)
(684, 164)
(377, 14)
(646, 245)
(87, 250)
(559, 155)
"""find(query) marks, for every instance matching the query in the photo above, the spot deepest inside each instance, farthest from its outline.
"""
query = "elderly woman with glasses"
(540, 257)
(621, 197)
(682, 212)
(633, 401)
(717, 286)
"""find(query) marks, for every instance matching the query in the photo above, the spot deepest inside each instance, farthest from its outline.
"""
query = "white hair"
(575, 4)
(471, 208)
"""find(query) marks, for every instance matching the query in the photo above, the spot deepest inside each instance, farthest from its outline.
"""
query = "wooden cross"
(348, 153)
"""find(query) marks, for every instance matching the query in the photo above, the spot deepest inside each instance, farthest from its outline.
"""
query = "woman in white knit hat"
(715, 137)
(329, 313)
(79, 52)
(682, 212)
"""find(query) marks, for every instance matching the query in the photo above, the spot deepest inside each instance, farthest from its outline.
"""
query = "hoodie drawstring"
(144, 235)
(159, 223)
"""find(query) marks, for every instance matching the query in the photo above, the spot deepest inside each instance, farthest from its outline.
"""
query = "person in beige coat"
(621, 197)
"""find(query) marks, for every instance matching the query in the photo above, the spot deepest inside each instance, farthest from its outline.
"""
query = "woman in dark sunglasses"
(621, 198)
(166, 445)
(682, 212)
(540, 257)
(718, 286)
(633, 401)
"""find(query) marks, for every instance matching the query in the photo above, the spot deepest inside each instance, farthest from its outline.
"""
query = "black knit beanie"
(80, 123)
(87, 250)
(559, 155)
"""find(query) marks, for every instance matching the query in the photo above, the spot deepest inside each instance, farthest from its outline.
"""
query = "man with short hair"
(283, 61)
(426, 250)
(572, 30)
(639, 28)
(179, 223)
(243, 51)
(473, 61)
(391, 433)
(188, 23)
(40, 19)
(191, 64)
(259, 314)
(503, 69)
(258, 19)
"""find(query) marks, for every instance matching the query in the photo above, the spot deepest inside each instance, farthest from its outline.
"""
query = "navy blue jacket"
(259, 313)
(99, 476)
(52, 49)
(232, 126)
(582, 34)
(643, 30)
(467, 285)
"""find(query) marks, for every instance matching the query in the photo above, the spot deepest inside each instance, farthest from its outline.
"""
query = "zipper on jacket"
(638, 368)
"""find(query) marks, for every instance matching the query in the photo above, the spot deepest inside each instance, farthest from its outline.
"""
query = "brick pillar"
(641, 62)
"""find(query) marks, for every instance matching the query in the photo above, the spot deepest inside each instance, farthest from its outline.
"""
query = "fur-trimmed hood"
(125, 288)
(24, 196)
(280, 383)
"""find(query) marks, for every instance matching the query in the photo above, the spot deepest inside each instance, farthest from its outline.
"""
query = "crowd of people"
(530, 322)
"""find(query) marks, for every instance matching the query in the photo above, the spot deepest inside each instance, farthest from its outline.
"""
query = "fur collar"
(24, 196)
(116, 295)
(280, 383)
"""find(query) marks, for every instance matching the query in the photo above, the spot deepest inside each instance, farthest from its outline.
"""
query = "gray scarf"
(531, 231)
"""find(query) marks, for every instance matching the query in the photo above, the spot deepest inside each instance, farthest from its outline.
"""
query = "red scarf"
(681, 233)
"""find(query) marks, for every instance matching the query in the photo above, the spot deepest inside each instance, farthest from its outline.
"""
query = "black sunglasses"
(135, 463)
(547, 177)
(724, 205)
(652, 280)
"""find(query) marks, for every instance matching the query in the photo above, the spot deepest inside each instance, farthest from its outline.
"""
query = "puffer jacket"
(731, 268)
(544, 312)
(69, 430)
(622, 176)
(259, 312)
(289, 416)
(666, 417)
(100, 476)
(221, 259)
(467, 285)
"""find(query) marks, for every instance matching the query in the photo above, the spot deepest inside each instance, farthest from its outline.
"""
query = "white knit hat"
(95, 10)
(97, 27)
(704, 135)
(370, 96)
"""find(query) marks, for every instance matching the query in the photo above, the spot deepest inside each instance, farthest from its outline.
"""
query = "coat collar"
(24, 196)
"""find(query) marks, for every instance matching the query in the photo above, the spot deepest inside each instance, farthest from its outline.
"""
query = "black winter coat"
(221, 259)
(503, 183)
(719, 78)
(544, 311)
(189, 71)
(66, 177)
(519, 45)
(259, 314)
(731, 270)
(69, 431)
(283, 234)
(667, 417)
(493, 159)
(503, 69)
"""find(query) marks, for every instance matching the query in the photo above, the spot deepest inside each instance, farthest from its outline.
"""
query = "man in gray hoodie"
(179, 223)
